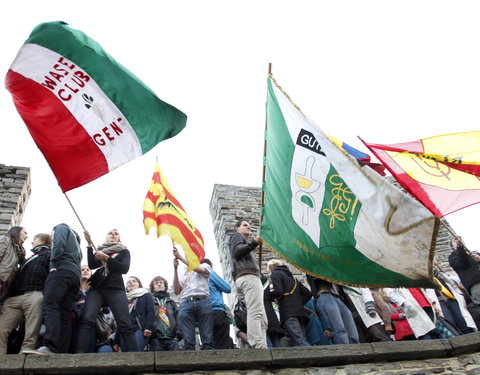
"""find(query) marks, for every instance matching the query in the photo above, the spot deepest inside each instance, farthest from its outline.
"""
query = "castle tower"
(15, 190)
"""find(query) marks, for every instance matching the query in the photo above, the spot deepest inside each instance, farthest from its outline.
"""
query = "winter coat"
(243, 260)
(290, 294)
(8, 259)
(117, 265)
(66, 253)
(272, 318)
(463, 264)
(143, 313)
(33, 272)
(163, 331)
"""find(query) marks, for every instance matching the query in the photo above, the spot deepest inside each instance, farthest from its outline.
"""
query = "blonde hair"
(272, 263)
(111, 230)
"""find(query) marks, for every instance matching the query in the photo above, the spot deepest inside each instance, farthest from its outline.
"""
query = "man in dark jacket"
(25, 298)
(291, 296)
(247, 280)
(466, 267)
(61, 290)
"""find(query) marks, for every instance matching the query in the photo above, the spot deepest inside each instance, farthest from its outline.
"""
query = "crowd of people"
(52, 303)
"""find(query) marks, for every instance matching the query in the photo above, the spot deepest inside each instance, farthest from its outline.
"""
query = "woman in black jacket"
(112, 260)
(142, 312)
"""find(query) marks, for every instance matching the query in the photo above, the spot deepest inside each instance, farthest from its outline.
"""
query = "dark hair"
(208, 261)
(45, 238)
(238, 224)
(14, 234)
(156, 278)
(138, 280)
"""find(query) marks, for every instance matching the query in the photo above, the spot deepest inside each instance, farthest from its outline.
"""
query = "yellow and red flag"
(164, 212)
(442, 172)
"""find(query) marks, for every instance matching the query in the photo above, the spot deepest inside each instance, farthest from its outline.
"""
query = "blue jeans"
(191, 312)
(451, 312)
(164, 344)
(118, 303)
(339, 318)
(295, 331)
(60, 292)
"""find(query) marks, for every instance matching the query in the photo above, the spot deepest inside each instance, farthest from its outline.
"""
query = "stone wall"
(15, 189)
(458, 355)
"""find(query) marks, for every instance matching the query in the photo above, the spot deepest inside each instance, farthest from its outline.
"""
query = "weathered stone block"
(94, 363)
(464, 343)
(210, 360)
(327, 355)
(406, 350)
(11, 364)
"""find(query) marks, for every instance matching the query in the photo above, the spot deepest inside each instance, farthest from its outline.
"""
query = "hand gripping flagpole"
(260, 247)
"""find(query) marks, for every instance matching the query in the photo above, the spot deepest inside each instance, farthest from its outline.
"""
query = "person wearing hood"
(291, 296)
(25, 298)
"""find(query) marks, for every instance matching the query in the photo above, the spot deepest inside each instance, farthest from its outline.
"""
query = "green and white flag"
(332, 218)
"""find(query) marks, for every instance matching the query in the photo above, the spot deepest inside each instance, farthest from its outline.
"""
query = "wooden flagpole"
(78, 217)
(260, 247)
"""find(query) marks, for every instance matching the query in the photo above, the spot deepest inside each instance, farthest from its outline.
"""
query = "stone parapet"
(458, 355)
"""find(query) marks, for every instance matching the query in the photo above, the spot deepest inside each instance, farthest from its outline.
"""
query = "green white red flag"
(163, 211)
(442, 172)
(87, 113)
(331, 217)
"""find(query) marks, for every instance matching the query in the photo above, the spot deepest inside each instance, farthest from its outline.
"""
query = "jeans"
(164, 344)
(60, 292)
(251, 288)
(191, 312)
(118, 303)
(339, 317)
(273, 340)
(451, 312)
(142, 341)
(295, 331)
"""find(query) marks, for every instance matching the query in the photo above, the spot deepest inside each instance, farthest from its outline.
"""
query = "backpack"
(240, 315)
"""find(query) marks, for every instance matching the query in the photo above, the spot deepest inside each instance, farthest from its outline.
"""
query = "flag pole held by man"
(86, 112)
(332, 218)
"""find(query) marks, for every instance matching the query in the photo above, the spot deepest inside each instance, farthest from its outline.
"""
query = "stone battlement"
(458, 355)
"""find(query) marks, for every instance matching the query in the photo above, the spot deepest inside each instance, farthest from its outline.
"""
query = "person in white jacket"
(418, 319)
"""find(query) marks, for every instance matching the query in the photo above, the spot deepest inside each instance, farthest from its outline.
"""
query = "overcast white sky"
(388, 71)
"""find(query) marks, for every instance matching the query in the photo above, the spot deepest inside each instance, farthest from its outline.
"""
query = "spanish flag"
(164, 212)
(442, 172)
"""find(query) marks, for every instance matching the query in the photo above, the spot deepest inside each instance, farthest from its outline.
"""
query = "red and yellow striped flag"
(442, 172)
(164, 212)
